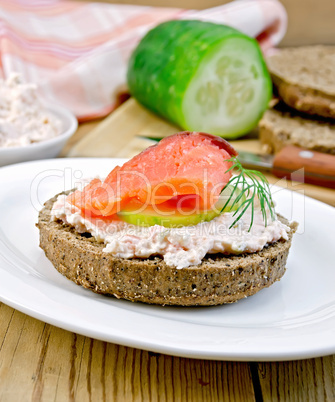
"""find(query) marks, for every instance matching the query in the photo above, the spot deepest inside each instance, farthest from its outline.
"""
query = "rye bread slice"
(219, 279)
(305, 78)
(281, 126)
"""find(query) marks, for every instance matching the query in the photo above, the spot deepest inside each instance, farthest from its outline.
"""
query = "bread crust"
(217, 280)
(307, 100)
(303, 77)
(281, 126)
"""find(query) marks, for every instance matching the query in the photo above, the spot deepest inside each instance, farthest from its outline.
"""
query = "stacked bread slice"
(304, 80)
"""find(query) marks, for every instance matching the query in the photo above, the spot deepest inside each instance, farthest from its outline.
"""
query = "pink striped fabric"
(77, 52)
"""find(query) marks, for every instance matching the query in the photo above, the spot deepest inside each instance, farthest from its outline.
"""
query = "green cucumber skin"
(151, 220)
(163, 64)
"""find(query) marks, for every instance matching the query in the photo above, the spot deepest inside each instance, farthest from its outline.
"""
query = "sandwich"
(181, 223)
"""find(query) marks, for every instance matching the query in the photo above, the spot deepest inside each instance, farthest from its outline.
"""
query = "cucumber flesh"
(151, 216)
(225, 93)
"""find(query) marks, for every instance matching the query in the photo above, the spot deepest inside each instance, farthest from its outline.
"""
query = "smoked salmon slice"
(184, 164)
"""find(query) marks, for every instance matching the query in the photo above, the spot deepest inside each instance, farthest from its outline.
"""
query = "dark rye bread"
(281, 126)
(219, 279)
(305, 78)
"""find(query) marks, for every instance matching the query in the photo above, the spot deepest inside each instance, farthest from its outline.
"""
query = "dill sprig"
(250, 184)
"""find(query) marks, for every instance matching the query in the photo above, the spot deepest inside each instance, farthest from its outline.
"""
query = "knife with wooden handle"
(318, 168)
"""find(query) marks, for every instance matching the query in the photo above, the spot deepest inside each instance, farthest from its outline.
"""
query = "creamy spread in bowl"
(24, 119)
(180, 247)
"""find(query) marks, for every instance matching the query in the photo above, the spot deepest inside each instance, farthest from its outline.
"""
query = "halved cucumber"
(151, 216)
(201, 76)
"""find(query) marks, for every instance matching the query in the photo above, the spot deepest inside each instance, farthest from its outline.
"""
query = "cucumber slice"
(150, 216)
(201, 76)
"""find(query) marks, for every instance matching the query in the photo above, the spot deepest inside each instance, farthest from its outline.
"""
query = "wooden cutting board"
(118, 135)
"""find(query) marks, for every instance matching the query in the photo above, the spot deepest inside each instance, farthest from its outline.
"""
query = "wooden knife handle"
(319, 168)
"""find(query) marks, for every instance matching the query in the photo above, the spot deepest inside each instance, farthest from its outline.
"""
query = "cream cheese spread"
(23, 118)
(180, 247)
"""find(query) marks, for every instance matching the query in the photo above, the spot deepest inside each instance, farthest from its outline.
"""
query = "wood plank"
(41, 362)
(81, 132)
(304, 380)
(115, 132)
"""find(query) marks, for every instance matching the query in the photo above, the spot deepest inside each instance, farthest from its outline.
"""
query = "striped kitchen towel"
(77, 52)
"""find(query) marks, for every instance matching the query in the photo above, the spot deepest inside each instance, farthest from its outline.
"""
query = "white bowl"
(44, 149)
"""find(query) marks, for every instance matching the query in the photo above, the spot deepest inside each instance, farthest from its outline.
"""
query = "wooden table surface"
(41, 362)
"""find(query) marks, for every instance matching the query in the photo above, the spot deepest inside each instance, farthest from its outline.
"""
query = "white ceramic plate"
(294, 318)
